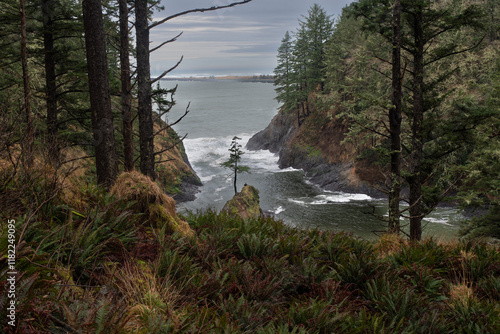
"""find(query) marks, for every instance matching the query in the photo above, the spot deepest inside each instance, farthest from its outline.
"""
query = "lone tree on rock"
(234, 159)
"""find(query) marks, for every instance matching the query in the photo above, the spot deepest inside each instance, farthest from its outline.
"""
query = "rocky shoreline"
(278, 138)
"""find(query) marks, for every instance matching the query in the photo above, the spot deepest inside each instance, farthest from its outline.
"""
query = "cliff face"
(317, 147)
(175, 174)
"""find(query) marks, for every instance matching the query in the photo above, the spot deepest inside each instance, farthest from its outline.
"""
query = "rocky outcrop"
(318, 148)
(276, 135)
(175, 173)
(244, 204)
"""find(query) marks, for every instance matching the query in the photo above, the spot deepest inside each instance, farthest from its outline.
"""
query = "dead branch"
(171, 146)
(197, 10)
(167, 71)
(166, 42)
(184, 115)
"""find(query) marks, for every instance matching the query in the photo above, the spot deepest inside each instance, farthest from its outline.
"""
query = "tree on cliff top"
(301, 61)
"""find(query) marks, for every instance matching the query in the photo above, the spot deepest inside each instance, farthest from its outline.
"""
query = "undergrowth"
(104, 270)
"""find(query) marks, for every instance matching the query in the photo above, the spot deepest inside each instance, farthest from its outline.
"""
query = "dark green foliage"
(256, 276)
(301, 66)
(445, 101)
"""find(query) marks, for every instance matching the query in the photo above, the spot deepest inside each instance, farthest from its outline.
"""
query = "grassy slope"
(105, 270)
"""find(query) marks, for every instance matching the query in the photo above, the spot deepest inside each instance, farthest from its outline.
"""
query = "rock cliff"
(318, 148)
(175, 173)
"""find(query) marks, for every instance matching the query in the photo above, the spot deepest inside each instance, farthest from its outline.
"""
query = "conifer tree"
(100, 94)
(233, 162)
(144, 81)
(284, 73)
(425, 25)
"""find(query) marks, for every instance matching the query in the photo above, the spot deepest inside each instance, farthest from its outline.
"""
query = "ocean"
(220, 110)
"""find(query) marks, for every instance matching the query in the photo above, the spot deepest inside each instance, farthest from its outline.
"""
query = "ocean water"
(220, 110)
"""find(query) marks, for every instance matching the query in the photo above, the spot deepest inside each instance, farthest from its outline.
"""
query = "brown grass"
(134, 186)
(390, 243)
(151, 200)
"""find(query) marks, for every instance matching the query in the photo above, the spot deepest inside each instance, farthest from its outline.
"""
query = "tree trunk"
(395, 121)
(29, 139)
(235, 177)
(493, 29)
(145, 109)
(50, 82)
(100, 98)
(417, 130)
(126, 90)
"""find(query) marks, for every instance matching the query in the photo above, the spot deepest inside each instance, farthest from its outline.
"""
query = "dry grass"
(462, 293)
(134, 186)
(390, 243)
(151, 200)
(146, 294)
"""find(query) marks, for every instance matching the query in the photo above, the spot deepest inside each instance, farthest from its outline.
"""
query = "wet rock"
(245, 204)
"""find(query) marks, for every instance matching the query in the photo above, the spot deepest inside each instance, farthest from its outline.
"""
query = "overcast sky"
(242, 40)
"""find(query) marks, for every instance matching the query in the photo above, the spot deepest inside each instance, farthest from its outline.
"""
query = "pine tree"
(100, 94)
(233, 162)
(318, 28)
(302, 62)
(426, 27)
(284, 74)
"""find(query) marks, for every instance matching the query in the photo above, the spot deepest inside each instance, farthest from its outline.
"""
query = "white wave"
(320, 202)
(438, 221)
(344, 197)
(278, 210)
(206, 178)
(219, 189)
(330, 199)
(297, 201)
(215, 150)
(262, 160)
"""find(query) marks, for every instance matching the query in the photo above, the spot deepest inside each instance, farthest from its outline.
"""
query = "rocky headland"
(318, 148)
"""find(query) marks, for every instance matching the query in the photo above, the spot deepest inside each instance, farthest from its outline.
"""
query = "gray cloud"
(239, 40)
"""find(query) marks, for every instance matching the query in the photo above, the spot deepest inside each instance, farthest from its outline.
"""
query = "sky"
(242, 40)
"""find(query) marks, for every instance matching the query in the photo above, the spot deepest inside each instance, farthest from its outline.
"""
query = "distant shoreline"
(248, 78)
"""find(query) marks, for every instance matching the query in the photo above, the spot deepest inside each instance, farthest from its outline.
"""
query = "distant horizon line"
(254, 77)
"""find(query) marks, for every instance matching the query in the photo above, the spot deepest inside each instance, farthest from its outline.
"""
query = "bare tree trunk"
(100, 97)
(395, 121)
(417, 129)
(50, 81)
(145, 109)
(235, 176)
(126, 90)
(30, 133)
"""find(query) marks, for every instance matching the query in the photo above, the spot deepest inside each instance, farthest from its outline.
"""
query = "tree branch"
(171, 146)
(455, 52)
(167, 71)
(166, 42)
(197, 10)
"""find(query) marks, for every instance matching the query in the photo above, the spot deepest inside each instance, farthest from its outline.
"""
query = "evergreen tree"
(233, 162)
(100, 94)
(318, 28)
(426, 27)
(309, 55)
(302, 64)
(481, 186)
(284, 74)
